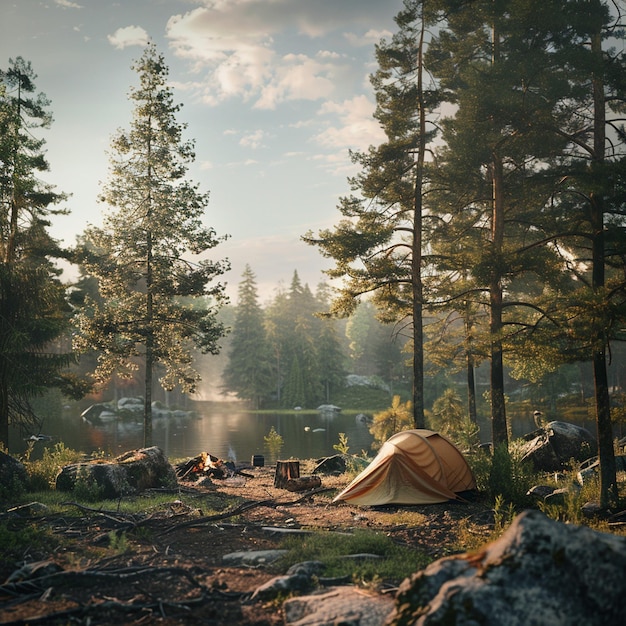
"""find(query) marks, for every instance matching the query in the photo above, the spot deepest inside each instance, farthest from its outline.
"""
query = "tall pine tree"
(500, 65)
(248, 372)
(377, 246)
(33, 310)
(147, 256)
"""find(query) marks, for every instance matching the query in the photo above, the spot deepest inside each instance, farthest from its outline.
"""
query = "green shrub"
(386, 423)
(13, 490)
(274, 442)
(342, 447)
(42, 473)
(511, 477)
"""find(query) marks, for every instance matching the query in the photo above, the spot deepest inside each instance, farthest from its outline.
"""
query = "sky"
(274, 93)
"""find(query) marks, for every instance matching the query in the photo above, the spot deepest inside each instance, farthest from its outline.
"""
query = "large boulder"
(552, 447)
(332, 465)
(129, 473)
(539, 572)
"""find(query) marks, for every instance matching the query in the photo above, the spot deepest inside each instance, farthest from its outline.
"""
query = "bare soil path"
(165, 567)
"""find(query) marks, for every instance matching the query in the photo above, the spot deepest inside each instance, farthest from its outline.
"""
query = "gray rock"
(539, 572)
(328, 408)
(540, 492)
(591, 509)
(299, 578)
(307, 568)
(345, 606)
(253, 558)
(281, 585)
(331, 465)
(128, 473)
(591, 469)
(552, 447)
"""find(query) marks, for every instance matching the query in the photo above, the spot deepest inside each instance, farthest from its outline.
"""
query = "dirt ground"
(165, 567)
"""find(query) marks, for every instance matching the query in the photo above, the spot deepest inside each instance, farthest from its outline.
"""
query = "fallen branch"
(114, 516)
(208, 519)
(92, 577)
(242, 508)
(95, 609)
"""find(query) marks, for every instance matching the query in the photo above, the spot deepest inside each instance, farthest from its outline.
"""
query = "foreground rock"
(552, 447)
(341, 605)
(130, 473)
(539, 572)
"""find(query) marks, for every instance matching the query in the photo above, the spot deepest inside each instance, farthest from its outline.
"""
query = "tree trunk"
(498, 409)
(416, 252)
(4, 414)
(147, 407)
(471, 390)
(608, 479)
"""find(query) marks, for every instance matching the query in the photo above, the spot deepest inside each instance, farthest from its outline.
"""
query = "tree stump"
(285, 471)
(288, 477)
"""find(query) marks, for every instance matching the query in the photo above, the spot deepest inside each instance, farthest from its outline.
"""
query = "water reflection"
(226, 433)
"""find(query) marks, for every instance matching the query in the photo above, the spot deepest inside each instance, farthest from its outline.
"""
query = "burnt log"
(303, 483)
(203, 464)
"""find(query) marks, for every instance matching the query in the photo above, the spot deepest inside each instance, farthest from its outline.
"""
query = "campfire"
(204, 464)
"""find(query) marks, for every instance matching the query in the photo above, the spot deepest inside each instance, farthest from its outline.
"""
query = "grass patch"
(22, 540)
(390, 562)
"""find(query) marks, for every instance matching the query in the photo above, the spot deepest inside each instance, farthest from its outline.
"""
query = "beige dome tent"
(412, 467)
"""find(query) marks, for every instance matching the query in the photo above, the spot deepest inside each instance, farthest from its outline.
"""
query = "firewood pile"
(204, 464)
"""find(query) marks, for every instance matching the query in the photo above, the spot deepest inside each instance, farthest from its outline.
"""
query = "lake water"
(227, 433)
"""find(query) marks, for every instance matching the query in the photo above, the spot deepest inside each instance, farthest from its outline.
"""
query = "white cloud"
(66, 4)
(246, 50)
(129, 36)
(253, 140)
(328, 54)
(357, 128)
(246, 163)
(370, 38)
(298, 77)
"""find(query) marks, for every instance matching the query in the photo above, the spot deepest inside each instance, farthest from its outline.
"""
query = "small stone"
(253, 558)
